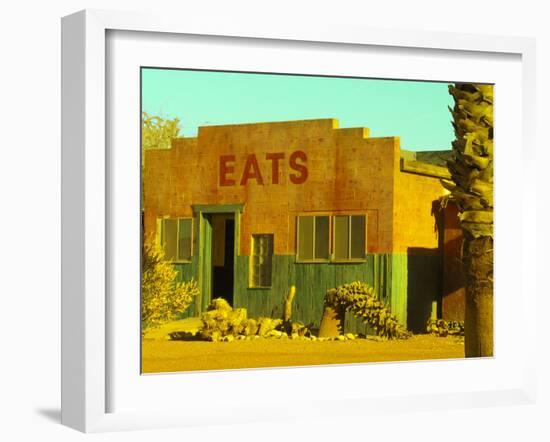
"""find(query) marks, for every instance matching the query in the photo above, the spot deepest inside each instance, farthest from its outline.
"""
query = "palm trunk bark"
(471, 188)
(478, 321)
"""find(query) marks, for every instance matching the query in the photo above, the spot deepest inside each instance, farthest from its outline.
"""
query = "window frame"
(251, 262)
(314, 260)
(333, 236)
(331, 259)
(192, 239)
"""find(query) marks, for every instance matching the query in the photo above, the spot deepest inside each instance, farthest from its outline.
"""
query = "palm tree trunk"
(478, 321)
(471, 169)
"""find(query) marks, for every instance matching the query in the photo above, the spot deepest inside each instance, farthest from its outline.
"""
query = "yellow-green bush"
(444, 328)
(162, 297)
(158, 133)
(267, 325)
(220, 321)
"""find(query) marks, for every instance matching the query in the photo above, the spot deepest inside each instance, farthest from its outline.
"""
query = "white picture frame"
(86, 356)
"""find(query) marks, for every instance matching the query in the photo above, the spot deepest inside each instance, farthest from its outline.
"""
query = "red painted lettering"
(301, 177)
(275, 158)
(251, 170)
(225, 169)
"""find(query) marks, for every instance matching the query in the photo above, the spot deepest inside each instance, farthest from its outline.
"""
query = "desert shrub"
(300, 329)
(219, 304)
(250, 327)
(267, 325)
(220, 321)
(162, 296)
(443, 328)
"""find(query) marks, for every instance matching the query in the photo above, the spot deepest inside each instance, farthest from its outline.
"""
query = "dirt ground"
(162, 355)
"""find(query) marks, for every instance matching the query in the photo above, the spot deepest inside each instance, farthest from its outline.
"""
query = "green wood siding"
(409, 285)
(204, 276)
(398, 279)
(311, 281)
(186, 272)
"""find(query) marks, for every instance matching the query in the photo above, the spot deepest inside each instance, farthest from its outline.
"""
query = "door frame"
(205, 247)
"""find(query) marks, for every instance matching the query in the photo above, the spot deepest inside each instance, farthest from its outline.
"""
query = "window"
(262, 257)
(176, 238)
(349, 237)
(313, 238)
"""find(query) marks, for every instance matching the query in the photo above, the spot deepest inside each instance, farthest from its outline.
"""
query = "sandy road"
(170, 356)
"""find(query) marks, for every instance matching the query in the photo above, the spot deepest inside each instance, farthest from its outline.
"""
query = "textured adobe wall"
(414, 218)
(346, 172)
(417, 275)
(453, 303)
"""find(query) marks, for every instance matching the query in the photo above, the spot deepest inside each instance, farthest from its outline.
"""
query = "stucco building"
(249, 210)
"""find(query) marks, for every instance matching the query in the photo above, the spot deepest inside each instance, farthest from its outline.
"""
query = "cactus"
(361, 300)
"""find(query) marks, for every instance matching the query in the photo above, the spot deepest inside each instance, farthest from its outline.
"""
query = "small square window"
(176, 238)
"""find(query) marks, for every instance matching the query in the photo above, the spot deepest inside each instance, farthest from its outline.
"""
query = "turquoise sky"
(415, 111)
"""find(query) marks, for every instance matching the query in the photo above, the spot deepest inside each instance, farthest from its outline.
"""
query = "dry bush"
(443, 328)
(221, 321)
(162, 297)
(267, 325)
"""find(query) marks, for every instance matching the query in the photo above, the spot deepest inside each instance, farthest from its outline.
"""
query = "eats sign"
(233, 172)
